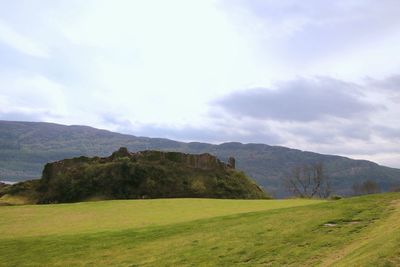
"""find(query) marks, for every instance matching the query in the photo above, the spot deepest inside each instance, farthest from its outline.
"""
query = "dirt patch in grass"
(369, 237)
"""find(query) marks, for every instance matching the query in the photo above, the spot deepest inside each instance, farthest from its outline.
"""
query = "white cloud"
(159, 56)
(342, 39)
(155, 66)
(20, 42)
(36, 95)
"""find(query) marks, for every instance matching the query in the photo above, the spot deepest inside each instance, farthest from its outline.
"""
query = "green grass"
(204, 232)
(114, 215)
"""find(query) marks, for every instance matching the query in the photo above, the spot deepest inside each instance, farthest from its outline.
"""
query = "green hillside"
(25, 147)
(360, 231)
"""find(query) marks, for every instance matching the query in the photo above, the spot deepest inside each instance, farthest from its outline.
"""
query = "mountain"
(144, 174)
(25, 147)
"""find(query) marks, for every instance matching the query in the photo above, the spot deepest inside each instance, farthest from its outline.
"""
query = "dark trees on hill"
(367, 187)
(395, 188)
(308, 180)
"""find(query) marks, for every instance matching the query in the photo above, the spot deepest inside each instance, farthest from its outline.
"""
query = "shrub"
(335, 197)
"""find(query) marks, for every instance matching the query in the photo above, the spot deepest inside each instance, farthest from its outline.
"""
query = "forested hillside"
(25, 147)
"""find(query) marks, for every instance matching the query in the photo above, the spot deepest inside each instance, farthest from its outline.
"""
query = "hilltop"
(25, 147)
(145, 174)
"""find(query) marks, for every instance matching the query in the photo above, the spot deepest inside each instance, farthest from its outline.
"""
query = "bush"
(335, 197)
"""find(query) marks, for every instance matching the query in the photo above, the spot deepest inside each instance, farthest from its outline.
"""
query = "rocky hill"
(25, 147)
(145, 174)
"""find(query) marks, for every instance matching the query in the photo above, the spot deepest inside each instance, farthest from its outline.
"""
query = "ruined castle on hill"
(204, 161)
(144, 174)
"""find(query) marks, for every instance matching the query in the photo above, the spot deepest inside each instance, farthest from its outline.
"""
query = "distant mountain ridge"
(25, 147)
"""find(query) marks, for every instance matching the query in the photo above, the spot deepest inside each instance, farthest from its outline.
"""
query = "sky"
(314, 75)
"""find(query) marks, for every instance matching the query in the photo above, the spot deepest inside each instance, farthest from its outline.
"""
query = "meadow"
(359, 231)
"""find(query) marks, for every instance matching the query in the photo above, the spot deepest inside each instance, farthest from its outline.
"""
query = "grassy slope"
(204, 233)
(114, 215)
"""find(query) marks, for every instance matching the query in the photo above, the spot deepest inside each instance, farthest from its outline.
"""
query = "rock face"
(145, 174)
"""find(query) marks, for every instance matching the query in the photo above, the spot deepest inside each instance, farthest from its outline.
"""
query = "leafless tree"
(395, 188)
(308, 180)
(367, 187)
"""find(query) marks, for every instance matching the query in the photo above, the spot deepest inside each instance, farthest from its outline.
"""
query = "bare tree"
(308, 180)
(367, 187)
(394, 188)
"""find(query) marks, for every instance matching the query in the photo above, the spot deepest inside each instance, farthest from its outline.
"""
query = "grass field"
(362, 231)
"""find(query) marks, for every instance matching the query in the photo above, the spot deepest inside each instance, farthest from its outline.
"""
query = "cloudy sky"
(316, 75)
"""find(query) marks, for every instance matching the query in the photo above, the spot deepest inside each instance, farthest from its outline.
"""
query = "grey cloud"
(390, 83)
(122, 124)
(299, 100)
(388, 132)
(311, 30)
(314, 134)
(358, 130)
(26, 116)
(212, 134)
(215, 133)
